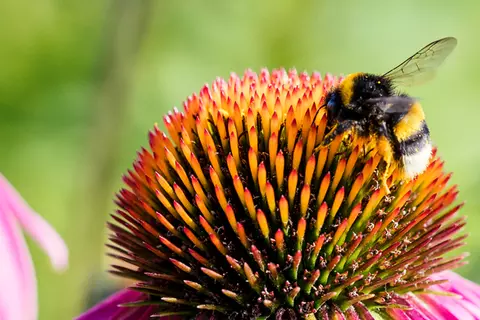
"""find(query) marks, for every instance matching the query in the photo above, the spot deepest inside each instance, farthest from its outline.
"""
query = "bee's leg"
(384, 175)
(339, 129)
(385, 150)
(383, 183)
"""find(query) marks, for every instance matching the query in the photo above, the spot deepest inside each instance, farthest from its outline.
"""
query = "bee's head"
(358, 87)
(333, 101)
(366, 86)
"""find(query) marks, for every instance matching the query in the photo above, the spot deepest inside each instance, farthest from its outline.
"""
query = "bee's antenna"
(316, 113)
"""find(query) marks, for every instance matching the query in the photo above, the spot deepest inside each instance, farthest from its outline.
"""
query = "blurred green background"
(81, 83)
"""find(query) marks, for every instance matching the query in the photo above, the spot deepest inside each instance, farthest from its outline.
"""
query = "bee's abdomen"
(415, 151)
(414, 148)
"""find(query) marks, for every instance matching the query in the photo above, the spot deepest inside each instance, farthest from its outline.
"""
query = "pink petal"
(109, 308)
(18, 286)
(35, 225)
(464, 305)
(447, 307)
(459, 285)
(417, 311)
(418, 305)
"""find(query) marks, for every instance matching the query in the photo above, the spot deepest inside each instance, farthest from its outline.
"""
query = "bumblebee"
(368, 106)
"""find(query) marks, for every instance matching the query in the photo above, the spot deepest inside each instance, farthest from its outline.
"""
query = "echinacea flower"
(18, 285)
(240, 215)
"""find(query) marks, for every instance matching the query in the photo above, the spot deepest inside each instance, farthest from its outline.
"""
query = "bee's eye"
(331, 101)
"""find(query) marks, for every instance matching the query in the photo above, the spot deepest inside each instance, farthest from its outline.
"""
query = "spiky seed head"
(238, 213)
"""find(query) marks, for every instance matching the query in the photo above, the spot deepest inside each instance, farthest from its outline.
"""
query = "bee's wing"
(422, 65)
(389, 105)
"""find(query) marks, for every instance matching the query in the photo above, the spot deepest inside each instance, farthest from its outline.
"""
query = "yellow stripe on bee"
(346, 87)
(410, 123)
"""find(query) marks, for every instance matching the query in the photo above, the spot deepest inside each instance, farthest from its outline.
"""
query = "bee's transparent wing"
(394, 104)
(422, 65)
